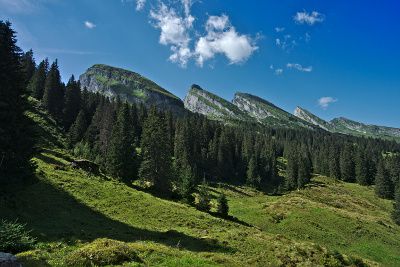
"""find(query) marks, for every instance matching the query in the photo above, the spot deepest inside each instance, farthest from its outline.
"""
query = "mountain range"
(134, 88)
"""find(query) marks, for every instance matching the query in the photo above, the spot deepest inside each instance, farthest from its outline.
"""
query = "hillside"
(69, 210)
(201, 101)
(265, 112)
(350, 127)
(128, 85)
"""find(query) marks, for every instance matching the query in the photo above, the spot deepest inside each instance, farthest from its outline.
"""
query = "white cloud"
(174, 30)
(325, 101)
(89, 25)
(299, 67)
(278, 72)
(308, 18)
(279, 29)
(286, 43)
(222, 38)
(140, 4)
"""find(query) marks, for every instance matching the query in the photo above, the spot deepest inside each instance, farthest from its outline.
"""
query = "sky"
(335, 58)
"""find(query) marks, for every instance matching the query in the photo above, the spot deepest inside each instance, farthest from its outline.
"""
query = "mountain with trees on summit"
(112, 170)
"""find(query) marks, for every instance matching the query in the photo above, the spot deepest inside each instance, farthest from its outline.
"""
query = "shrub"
(203, 201)
(102, 252)
(222, 205)
(14, 237)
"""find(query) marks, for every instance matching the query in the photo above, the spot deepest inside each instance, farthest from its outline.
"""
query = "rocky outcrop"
(130, 86)
(253, 108)
(311, 118)
(201, 101)
(8, 260)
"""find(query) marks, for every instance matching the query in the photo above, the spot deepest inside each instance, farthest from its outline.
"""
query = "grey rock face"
(8, 260)
(251, 108)
(304, 115)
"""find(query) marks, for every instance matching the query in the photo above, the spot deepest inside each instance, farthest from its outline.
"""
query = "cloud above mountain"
(308, 18)
(220, 37)
(325, 101)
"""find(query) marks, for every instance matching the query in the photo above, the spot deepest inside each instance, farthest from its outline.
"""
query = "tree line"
(174, 153)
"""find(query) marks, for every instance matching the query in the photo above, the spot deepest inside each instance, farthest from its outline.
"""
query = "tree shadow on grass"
(55, 215)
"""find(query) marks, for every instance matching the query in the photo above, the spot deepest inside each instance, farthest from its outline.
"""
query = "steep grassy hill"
(77, 216)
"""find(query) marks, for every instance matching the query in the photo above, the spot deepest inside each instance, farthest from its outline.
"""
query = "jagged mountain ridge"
(133, 87)
(350, 127)
(128, 85)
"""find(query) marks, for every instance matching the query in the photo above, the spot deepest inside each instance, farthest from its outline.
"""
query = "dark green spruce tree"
(222, 205)
(305, 169)
(16, 142)
(362, 169)
(121, 154)
(38, 80)
(28, 66)
(396, 206)
(53, 98)
(78, 129)
(347, 167)
(156, 165)
(292, 169)
(383, 184)
(72, 102)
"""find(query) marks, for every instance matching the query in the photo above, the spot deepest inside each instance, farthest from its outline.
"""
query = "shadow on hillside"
(54, 215)
(49, 160)
(314, 183)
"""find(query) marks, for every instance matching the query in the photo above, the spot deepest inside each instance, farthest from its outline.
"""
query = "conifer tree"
(16, 143)
(292, 169)
(222, 205)
(304, 167)
(78, 129)
(203, 202)
(334, 165)
(121, 153)
(28, 66)
(383, 183)
(253, 178)
(362, 169)
(396, 206)
(38, 80)
(53, 98)
(156, 165)
(72, 102)
(347, 168)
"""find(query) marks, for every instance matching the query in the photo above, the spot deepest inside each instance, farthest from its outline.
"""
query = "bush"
(222, 205)
(203, 201)
(102, 252)
(14, 237)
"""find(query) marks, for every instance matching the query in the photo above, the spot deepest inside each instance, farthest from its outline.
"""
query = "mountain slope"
(128, 85)
(201, 101)
(266, 112)
(313, 119)
(350, 127)
(346, 126)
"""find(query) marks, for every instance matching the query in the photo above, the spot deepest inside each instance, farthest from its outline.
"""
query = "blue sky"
(291, 52)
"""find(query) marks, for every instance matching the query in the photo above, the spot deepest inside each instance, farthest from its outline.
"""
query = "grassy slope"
(67, 208)
(342, 216)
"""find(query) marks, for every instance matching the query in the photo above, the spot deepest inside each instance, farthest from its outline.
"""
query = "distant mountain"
(128, 85)
(265, 112)
(201, 101)
(350, 127)
(313, 119)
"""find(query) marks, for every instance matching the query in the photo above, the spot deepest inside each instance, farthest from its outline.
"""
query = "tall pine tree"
(156, 165)
(53, 98)
(28, 66)
(72, 102)
(121, 154)
(383, 184)
(38, 80)
(16, 143)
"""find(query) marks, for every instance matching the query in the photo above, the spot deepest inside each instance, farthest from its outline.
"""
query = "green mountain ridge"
(244, 107)
(350, 127)
(128, 85)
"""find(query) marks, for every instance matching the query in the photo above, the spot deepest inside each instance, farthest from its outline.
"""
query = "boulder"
(86, 165)
(8, 260)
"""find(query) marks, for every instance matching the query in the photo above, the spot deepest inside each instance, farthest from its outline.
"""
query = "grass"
(341, 216)
(69, 211)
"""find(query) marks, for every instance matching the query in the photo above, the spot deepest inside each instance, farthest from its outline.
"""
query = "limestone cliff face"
(311, 118)
(201, 101)
(244, 103)
(130, 86)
